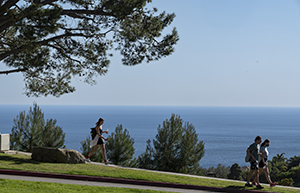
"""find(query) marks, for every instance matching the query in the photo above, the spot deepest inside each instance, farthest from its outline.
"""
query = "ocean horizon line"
(187, 106)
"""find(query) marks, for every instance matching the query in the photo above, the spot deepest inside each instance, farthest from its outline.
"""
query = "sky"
(230, 53)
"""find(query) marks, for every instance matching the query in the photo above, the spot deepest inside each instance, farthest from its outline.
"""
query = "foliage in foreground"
(31, 130)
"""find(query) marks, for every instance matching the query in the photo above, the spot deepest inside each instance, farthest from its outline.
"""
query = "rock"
(56, 155)
(245, 168)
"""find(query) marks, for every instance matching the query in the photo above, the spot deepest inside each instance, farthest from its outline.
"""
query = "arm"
(262, 157)
(248, 152)
(261, 153)
(98, 133)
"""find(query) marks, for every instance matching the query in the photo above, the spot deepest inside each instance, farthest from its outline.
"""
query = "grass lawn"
(19, 186)
(22, 162)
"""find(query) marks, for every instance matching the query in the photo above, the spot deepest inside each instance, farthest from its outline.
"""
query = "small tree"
(145, 160)
(52, 135)
(176, 148)
(235, 172)
(30, 130)
(119, 146)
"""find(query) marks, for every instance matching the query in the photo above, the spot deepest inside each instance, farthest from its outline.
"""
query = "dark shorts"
(100, 141)
(254, 165)
(261, 163)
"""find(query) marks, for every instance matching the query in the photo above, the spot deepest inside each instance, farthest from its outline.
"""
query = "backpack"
(93, 133)
(248, 157)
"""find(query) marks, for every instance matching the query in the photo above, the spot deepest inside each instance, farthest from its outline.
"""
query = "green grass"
(22, 162)
(19, 186)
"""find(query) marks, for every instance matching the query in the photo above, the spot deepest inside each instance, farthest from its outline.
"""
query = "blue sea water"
(226, 131)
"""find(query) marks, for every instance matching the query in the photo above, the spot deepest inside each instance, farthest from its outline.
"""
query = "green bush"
(235, 172)
(286, 182)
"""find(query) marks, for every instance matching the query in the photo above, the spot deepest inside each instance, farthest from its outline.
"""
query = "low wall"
(4, 142)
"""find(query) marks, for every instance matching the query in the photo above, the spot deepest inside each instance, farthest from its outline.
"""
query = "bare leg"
(93, 151)
(266, 170)
(250, 175)
(257, 176)
(103, 151)
(260, 171)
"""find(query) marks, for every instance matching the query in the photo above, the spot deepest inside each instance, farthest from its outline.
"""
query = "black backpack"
(93, 133)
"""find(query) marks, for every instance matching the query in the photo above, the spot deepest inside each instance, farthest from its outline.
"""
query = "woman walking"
(98, 140)
(263, 165)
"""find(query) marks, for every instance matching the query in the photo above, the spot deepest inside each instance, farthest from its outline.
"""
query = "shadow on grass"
(17, 160)
(237, 187)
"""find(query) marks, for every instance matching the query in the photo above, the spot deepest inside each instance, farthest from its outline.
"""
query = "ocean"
(225, 131)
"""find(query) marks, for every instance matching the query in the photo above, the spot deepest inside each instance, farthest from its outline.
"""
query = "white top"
(265, 152)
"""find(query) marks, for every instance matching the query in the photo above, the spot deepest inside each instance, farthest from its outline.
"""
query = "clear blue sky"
(230, 53)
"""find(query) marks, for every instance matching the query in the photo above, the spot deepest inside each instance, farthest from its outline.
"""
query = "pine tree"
(52, 135)
(30, 130)
(175, 148)
(146, 160)
(119, 146)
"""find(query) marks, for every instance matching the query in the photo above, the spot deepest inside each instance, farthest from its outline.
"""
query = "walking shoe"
(258, 186)
(248, 184)
(107, 162)
(88, 160)
(254, 183)
(273, 184)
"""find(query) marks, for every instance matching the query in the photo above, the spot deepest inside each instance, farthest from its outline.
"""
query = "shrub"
(235, 172)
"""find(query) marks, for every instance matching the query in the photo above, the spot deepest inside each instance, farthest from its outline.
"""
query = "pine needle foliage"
(176, 148)
(31, 130)
(52, 41)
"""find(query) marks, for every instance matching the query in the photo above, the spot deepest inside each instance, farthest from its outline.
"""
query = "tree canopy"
(51, 41)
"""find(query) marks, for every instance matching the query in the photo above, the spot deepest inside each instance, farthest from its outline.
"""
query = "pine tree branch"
(45, 2)
(61, 50)
(77, 13)
(44, 42)
(7, 5)
(13, 71)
